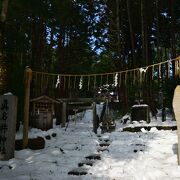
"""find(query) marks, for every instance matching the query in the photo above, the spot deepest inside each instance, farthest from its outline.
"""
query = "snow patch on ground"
(146, 155)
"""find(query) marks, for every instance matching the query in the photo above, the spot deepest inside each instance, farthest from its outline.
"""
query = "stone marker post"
(8, 112)
(176, 105)
(140, 112)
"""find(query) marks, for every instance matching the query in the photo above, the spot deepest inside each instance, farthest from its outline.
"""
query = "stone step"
(94, 156)
(103, 148)
(104, 144)
(87, 162)
(109, 128)
(104, 140)
(78, 171)
(148, 128)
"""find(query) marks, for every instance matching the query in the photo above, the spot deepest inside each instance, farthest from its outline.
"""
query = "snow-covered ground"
(145, 155)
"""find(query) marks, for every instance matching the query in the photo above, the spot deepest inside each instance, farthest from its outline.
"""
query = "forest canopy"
(86, 36)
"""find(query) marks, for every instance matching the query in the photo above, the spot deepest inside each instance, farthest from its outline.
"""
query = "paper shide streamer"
(142, 72)
(81, 83)
(116, 80)
(137, 75)
(57, 81)
(177, 67)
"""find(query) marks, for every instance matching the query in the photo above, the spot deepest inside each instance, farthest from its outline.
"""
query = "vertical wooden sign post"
(8, 112)
(64, 106)
(28, 78)
(176, 105)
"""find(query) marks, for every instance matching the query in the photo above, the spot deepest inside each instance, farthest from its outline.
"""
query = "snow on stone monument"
(176, 107)
(8, 112)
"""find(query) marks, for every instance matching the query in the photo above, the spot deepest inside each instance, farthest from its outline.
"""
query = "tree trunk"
(131, 34)
(4, 10)
(123, 87)
(173, 41)
(122, 94)
(41, 40)
(37, 47)
(145, 53)
(118, 31)
(147, 86)
(3, 60)
(33, 44)
(158, 32)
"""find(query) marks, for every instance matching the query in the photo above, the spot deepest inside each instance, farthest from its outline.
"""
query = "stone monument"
(140, 112)
(8, 112)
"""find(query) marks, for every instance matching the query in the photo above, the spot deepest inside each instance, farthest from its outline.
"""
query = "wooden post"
(64, 104)
(28, 78)
(94, 118)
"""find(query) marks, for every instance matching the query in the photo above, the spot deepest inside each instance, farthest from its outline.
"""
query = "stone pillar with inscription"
(8, 113)
(176, 105)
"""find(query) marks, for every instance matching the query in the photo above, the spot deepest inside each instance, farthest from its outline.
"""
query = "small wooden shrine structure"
(42, 112)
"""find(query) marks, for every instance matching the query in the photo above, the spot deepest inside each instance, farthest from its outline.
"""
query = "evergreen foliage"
(89, 36)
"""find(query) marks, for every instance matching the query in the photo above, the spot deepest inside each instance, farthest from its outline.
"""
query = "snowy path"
(141, 156)
(145, 155)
